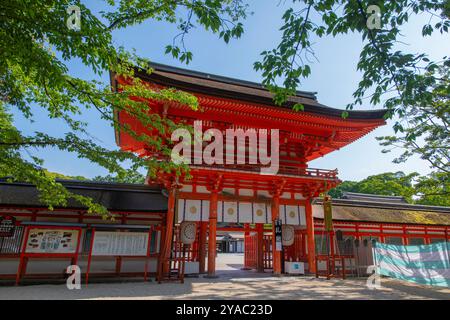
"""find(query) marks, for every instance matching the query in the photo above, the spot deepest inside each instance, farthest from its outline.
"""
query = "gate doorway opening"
(230, 252)
(242, 250)
(237, 250)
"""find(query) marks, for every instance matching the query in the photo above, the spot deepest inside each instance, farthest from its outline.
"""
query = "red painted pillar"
(202, 246)
(427, 238)
(260, 255)
(168, 234)
(405, 236)
(246, 227)
(276, 255)
(212, 233)
(310, 236)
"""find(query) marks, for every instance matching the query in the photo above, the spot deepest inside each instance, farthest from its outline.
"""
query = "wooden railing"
(333, 269)
(283, 170)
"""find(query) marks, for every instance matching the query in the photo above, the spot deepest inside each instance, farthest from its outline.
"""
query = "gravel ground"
(232, 283)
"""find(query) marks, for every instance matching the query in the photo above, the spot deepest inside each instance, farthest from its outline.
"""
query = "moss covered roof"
(386, 215)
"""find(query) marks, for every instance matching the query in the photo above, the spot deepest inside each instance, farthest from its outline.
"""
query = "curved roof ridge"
(220, 78)
(230, 88)
(371, 195)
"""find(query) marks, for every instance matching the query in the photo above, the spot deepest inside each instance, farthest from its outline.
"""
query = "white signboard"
(52, 241)
(120, 243)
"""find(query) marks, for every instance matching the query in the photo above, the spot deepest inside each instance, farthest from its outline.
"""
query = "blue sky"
(334, 77)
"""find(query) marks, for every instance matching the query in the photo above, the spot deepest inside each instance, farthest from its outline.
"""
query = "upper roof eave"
(225, 87)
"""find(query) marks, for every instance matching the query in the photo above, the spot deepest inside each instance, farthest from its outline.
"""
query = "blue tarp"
(424, 264)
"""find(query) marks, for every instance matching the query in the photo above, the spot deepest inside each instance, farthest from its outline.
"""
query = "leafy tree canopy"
(35, 47)
(414, 89)
(60, 176)
(434, 190)
(427, 190)
(425, 129)
(36, 44)
(133, 177)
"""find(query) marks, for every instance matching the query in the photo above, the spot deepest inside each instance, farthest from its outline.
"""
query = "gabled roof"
(243, 104)
(230, 88)
(114, 196)
(160, 68)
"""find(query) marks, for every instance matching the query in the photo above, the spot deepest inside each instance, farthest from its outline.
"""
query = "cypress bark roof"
(378, 209)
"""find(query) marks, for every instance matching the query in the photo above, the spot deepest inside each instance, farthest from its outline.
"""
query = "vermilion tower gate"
(238, 193)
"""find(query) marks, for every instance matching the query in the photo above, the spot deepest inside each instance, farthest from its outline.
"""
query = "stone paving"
(232, 283)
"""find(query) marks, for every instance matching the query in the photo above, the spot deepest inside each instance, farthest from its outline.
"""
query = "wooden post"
(202, 246)
(118, 265)
(260, 261)
(168, 234)
(212, 233)
(405, 239)
(276, 255)
(149, 244)
(332, 251)
(162, 236)
(91, 247)
(310, 236)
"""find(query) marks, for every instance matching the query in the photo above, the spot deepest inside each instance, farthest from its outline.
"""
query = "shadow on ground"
(232, 283)
(254, 286)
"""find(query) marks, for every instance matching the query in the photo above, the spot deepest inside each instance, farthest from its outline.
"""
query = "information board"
(42, 240)
(108, 243)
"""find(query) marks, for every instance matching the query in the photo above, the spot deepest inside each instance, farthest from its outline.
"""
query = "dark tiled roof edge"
(94, 185)
(316, 108)
(223, 79)
(114, 196)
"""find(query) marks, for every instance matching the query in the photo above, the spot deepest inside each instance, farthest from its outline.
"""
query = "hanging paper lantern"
(288, 235)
